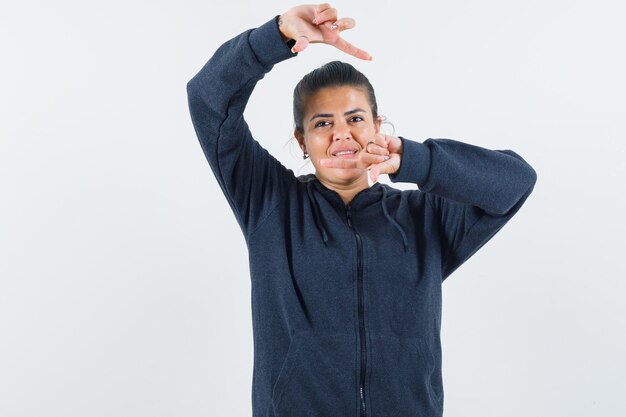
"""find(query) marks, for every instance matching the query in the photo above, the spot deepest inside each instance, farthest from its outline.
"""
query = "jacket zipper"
(361, 313)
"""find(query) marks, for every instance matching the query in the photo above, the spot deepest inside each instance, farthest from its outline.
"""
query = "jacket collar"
(376, 193)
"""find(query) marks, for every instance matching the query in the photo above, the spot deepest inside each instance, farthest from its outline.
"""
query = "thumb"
(302, 41)
(375, 172)
(381, 168)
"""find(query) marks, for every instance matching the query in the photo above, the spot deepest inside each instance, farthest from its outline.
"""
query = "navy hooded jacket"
(346, 300)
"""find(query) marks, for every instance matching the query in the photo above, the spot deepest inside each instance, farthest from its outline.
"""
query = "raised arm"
(250, 177)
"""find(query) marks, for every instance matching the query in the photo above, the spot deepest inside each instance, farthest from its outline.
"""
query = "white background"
(124, 285)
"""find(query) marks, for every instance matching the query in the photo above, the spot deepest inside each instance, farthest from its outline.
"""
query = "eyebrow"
(357, 110)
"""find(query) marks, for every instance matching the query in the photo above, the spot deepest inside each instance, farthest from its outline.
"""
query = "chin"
(346, 176)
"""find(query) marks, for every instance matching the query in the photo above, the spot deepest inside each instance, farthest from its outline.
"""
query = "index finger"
(380, 139)
(380, 146)
(350, 49)
(340, 163)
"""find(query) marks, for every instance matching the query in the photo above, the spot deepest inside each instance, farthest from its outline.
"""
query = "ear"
(378, 123)
(300, 139)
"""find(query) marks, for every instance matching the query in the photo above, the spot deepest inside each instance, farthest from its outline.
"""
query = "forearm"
(493, 180)
(225, 82)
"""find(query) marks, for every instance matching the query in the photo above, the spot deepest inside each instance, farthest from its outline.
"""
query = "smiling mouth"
(345, 154)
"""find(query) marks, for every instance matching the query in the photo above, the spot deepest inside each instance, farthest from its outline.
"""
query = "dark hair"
(332, 74)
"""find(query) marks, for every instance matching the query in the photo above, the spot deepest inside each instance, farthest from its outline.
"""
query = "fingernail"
(387, 158)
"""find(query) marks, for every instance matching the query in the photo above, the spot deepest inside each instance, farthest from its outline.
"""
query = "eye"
(318, 124)
(358, 117)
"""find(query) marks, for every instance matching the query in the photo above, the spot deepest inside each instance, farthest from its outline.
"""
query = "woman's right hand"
(312, 23)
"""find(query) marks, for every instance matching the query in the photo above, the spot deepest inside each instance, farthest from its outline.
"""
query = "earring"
(305, 156)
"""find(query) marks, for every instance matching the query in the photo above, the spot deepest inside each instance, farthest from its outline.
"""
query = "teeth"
(344, 153)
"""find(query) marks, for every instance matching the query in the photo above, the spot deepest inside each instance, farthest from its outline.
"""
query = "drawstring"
(316, 210)
(395, 223)
(322, 229)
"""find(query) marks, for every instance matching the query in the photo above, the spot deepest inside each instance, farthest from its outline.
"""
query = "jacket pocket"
(405, 378)
(318, 377)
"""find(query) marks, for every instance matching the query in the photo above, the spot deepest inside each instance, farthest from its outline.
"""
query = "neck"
(347, 191)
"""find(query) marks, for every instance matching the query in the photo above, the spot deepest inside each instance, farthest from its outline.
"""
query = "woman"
(346, 277)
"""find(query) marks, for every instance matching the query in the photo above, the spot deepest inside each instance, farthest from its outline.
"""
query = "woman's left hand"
(383, 145)
(317, 23)
(391, 166)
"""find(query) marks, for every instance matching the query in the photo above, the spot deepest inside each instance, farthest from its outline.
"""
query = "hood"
(377, 193)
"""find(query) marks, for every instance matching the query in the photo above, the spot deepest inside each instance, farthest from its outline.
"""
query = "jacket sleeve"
(250, 177)
(473, 191)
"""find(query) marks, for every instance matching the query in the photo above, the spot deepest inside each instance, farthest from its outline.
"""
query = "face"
(337, 118)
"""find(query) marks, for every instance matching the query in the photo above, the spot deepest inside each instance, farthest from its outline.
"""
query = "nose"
(341, 130)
